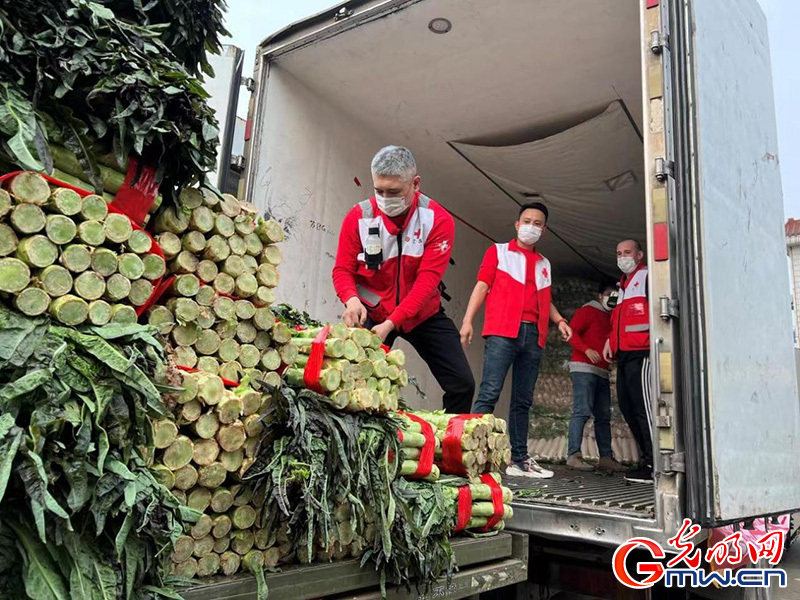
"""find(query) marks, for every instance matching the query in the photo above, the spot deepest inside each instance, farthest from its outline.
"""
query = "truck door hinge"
(669, 308)
(658, 42)
(343, 13)
(673, 462)
(249, 83)
(663, 169)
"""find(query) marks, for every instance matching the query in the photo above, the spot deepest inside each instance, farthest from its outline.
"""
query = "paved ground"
(792, 565)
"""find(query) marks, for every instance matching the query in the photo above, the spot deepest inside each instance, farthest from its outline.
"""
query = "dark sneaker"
(640, 475)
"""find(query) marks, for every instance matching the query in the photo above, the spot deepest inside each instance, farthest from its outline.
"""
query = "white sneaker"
(528, 468)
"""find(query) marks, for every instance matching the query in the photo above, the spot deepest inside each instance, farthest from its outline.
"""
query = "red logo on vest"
(544, 272)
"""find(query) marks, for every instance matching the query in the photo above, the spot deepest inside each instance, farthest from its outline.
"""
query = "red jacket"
(591, 326)
(404, 289)
(504, 270)
(630, 321)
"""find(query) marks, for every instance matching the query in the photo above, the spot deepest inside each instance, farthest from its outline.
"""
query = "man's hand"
(383, 330)
(355, 314)
(593, 355)
(607, 354)
(466, 334)
(565, 330)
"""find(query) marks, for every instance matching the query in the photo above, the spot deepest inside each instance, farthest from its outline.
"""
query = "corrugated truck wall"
(552, 405)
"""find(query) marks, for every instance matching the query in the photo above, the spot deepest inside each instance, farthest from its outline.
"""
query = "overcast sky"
(250, 21)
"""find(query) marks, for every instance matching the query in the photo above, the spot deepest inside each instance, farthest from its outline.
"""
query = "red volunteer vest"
(630, 321)
(505, 302)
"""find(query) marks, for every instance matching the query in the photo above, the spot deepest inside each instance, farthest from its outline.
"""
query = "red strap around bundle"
(226, 382)
(426, 455)
(314, 365)
(452, 459)
(464, 507)
(135, 199)
(497, 500)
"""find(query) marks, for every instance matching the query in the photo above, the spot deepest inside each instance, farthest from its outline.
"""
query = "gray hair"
(395, 161)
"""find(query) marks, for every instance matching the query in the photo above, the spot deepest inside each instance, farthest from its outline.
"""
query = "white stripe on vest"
(513, 262)
(415, 235)
(636, 288)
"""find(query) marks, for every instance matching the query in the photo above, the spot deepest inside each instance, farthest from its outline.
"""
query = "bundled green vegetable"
(333, 491)
(217, 311)
(55, 225)
(82, 515)
(357, 374)
(111, 87)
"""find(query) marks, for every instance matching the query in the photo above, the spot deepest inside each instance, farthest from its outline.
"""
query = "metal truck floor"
(604, 492)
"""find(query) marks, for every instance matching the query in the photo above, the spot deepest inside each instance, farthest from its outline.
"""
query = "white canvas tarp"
(591, 179)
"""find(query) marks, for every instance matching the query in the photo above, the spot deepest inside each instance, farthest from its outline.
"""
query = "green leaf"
(18, 119)
(8, 451)
(23, 386)
(42, 580)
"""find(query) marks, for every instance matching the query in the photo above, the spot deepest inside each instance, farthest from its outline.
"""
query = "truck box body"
(648, 120)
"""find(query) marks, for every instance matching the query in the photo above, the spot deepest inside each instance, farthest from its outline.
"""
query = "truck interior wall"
(305, 176)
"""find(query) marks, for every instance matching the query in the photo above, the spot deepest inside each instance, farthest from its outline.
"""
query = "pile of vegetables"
(71, 256)
(81, 514)
(223, 261)
(76, 73)
(333, 489)
(357, 374)
(204, 448)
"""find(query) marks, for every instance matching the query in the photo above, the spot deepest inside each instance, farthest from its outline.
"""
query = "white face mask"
(393, 207)
(626, 264)
(529, 234)
(604, 302)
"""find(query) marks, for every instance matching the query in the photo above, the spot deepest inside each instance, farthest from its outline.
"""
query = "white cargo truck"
(647, 119)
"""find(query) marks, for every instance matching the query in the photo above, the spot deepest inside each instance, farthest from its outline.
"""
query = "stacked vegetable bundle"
(333, 490)
(205, 448)
(469, 445)
(82, 515)
(357, 374)
(482, 505)
(223, 262)
(72, 256)
(418, 448)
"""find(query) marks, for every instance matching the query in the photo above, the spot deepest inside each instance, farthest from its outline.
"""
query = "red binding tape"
(452, 458)
(426, 455)
(226, 382)
(135, 198)
(314, 365)
(464, 507)
(497, 501)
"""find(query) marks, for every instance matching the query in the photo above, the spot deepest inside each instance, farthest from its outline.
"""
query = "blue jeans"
(524, 354)
(591, 395)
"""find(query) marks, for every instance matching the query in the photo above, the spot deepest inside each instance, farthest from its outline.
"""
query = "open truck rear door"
(738, 379)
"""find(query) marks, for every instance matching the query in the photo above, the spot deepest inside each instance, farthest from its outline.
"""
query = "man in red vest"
(514, 280)
(393, 251)
(630, 344)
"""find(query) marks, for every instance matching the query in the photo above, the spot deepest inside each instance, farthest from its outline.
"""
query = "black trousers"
(438, 343)
(633, 391)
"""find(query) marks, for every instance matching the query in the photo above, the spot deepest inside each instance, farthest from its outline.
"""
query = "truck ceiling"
(554, 84)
